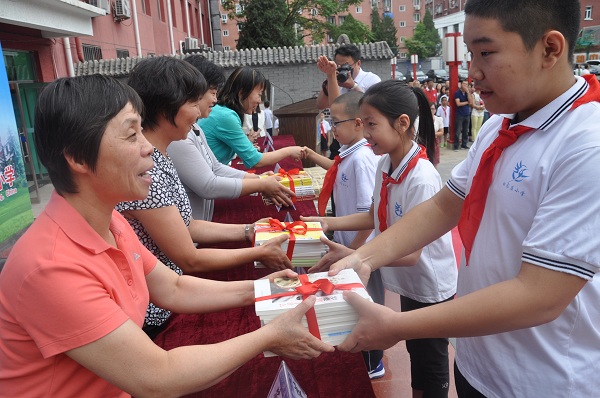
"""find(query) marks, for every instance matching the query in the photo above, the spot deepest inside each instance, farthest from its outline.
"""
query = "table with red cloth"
(331, 375)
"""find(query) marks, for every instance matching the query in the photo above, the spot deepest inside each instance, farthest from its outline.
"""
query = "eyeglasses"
(335, 124)
(346, 64)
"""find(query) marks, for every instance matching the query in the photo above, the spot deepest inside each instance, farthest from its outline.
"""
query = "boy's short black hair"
(213, 73)
(71, 116)
(349, 50)
(531, 19)
(267, 103)
(350, 102)
(164, 84)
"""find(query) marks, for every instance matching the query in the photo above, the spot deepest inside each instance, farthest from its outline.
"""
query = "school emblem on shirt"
(344, 177)
(398, 209)
(519, 173)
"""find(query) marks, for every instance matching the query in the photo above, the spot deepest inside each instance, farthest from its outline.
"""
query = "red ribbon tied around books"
(288, 174)
(296, 227)
(307, 289)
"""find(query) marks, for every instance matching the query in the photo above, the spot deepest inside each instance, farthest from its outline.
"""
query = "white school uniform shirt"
(354, 182)
(364, 81)
(444, 113)
(543, 209)
(433, 278)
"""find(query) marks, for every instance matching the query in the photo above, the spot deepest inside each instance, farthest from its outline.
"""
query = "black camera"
(344, 71)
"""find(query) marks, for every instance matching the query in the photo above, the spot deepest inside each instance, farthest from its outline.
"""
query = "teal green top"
(225, 137)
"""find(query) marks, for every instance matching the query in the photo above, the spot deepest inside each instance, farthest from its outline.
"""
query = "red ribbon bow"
(288, 174)
(307, 289)
(296, 227)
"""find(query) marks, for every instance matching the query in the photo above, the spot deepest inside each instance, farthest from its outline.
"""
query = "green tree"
(384, 30)
(426, 39)
(304, 17)
(357, 31)
(264, 25)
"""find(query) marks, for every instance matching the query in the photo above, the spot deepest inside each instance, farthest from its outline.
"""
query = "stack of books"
(298, 181)
(304, 248)
(335, 317)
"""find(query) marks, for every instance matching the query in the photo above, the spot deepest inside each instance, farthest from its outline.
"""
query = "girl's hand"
(324, 224)
(336, 252)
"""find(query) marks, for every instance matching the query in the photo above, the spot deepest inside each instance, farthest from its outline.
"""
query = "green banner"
(15, 205)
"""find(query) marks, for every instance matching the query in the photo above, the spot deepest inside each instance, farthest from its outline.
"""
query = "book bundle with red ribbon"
(304, 247)
(298, 181)
(331, 319)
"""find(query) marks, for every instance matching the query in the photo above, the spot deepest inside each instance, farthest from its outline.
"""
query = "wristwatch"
(355, 85)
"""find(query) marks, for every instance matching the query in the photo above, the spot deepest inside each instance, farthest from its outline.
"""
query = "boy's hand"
(336, 252)
(352, 261)
(365, 336)
(291, 339)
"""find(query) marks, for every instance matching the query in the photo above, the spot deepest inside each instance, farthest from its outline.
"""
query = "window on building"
(183, 19)
(173, 13)
(402, 39)
(330, 38)
(387, 4)
(239, 9)
(342, 19)
(403, 24)
(314, 12)
(402, 8)
(416, 17)
(225, 33)
(196, 28)
(403, 55)
(588, 12)
(331, 20)
(122, 53)
(359, 10)
(374, 3)
(224, 18)
(226, 48)
(239, 27)
(146, 7)
(91, 52)
(161, 9)
(416, 3)
(20, 65)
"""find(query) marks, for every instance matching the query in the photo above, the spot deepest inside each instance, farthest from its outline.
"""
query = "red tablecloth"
(331, 375)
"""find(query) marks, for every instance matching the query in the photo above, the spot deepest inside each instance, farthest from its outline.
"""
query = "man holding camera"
(343, 74)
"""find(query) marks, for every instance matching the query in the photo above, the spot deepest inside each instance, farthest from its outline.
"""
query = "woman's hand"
(271, 254)
(286, 273)
(295, 152)
(291, 339)
(276, 192)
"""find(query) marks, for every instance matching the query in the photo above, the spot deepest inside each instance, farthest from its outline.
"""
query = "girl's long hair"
(393, 98)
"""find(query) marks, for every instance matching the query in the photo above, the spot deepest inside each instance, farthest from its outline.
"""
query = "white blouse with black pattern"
(166, 190)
